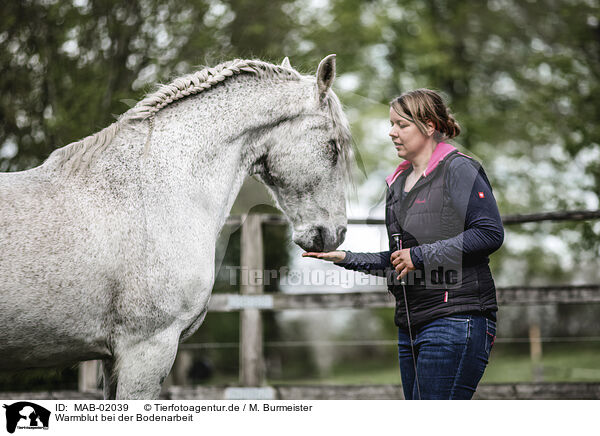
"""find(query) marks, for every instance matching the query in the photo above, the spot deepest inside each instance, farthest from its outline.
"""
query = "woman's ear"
(430, 127)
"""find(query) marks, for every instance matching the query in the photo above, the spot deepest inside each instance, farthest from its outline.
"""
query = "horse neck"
(203, 147)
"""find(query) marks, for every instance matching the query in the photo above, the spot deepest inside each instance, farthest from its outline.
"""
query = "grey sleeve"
(472, 198)
(369, 263)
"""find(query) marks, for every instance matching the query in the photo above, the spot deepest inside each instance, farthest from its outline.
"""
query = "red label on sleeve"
(481, 195)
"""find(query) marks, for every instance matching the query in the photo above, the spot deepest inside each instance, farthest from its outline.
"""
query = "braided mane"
(201, 80)
(79, 154)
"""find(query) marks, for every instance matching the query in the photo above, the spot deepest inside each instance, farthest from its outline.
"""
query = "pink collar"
(440, 152)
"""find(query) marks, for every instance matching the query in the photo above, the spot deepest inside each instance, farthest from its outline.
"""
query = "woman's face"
(406, 136)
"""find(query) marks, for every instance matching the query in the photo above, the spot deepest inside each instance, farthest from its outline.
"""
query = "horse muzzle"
(320, 238)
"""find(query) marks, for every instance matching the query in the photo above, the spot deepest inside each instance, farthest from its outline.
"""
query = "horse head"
(306, 165)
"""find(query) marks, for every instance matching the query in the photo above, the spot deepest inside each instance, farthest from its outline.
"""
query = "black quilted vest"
(426, 215)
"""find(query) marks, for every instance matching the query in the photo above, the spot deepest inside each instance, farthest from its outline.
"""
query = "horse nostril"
(329, 237)
(321, 235)
(341, 233)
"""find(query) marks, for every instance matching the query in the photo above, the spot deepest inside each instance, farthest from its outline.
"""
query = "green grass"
(356, 372)
(508, 364)
(559, 363)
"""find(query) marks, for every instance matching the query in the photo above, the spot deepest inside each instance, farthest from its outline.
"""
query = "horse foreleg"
(142, 367)
(110, 379)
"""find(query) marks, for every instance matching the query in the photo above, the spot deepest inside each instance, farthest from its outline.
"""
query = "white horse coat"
(107, 249)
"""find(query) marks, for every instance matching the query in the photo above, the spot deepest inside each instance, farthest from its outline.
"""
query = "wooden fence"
(251, 301)
(504, 391)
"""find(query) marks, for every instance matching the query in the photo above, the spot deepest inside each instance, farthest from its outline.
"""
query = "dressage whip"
(398, 241)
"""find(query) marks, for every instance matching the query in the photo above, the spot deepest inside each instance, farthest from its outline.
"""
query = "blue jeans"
(451, 355)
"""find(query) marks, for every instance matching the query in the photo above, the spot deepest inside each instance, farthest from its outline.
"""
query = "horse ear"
(286, 63)
(325, 75)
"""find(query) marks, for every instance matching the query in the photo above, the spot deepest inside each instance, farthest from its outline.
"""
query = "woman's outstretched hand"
(402, 262)
(333, 256)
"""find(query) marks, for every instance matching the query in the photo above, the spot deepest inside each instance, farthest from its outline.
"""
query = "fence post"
(89, 373)
(535, 350)
(252, 362)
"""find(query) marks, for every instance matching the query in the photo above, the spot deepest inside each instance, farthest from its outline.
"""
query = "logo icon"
(26, 415)
(481, 195)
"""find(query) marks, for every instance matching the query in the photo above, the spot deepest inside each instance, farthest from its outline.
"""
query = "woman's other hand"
(333, 256)
(402, 262)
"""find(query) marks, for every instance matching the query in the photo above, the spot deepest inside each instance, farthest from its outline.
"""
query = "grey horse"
(107, 249)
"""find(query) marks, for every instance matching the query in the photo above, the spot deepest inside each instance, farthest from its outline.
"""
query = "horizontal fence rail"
(500, 391)
(571, 215)
(376, 342)
(512, 391)
(517, 295)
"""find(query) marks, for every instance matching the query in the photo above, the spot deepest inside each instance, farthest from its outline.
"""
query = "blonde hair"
(422, 105)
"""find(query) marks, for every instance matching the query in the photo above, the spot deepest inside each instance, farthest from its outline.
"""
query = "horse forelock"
(341, 133)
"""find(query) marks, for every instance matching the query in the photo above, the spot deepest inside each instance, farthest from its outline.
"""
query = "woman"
(443, 223)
